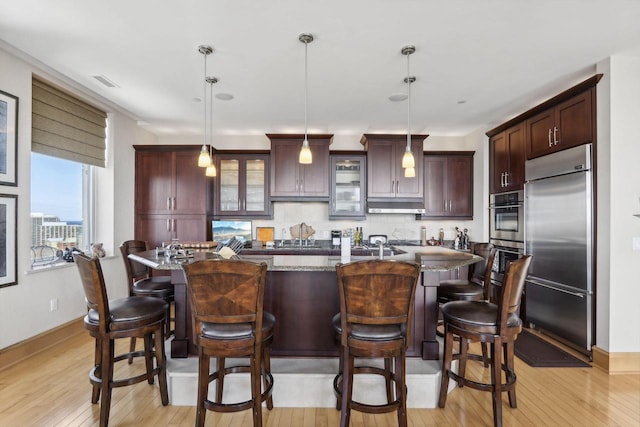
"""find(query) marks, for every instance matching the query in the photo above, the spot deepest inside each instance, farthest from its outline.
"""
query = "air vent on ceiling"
(105, 81)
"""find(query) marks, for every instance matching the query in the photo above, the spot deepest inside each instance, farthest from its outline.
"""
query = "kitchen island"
(302, 293)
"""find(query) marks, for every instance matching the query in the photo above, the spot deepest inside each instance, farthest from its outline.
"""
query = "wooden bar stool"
(498, 325)
(141, 283)
(130, 317)
(376, 311)
(226, 298)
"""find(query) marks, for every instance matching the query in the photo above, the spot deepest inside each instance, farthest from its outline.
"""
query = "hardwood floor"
(52, 389)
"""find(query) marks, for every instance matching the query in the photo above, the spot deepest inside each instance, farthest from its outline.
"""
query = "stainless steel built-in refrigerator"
(559, 236)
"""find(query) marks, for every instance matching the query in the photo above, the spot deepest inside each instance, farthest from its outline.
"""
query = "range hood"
(396, 207)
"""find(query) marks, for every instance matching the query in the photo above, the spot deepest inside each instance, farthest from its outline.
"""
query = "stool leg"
(387, 379)
(485, 355)
(340, 372)
(107, 380)
(132, 348)
(347, 388)
(220, 367)
(161, 362)
(462, 364)
(508, 357)
(496, 379)
(446, 366)
(255, 388)
(203, 387)
(401, 389)
(148, 347)
(266, 363)
(95, 392)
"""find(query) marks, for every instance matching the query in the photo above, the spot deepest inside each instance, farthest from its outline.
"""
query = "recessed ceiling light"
(224, 96)
(462, 101)
(196, 99)
(396, 97)
(105, 81)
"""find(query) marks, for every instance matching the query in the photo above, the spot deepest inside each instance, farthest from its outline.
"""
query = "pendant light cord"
(204, 100)
(408, 104)
(306, 90)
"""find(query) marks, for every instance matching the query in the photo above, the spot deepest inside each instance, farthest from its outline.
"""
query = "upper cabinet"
(291, 180)
(242, 185)
(506, 160)
(169, 181)
(566, 125)
(448, 185)
(348, 178)
(385, 175)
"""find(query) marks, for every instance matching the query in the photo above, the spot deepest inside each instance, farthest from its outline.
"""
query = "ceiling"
(477, 63)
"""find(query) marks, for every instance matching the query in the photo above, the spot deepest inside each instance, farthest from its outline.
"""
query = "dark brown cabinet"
(170, 194)
(242, 185)
(385, 175)
(506, 160)
(291, 180)
(448, 185)
(348, 186)
(566, 125)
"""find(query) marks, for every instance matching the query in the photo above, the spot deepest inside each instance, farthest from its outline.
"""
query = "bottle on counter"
(423, 236)
(357, 238)
(441, 237)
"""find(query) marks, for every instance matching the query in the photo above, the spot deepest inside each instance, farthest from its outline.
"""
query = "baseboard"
(616, 363)
(20, 351)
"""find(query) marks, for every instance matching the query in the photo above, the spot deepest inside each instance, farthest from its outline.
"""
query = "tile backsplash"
(395, 226)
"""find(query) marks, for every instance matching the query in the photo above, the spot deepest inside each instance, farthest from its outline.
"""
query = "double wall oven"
(506, 230)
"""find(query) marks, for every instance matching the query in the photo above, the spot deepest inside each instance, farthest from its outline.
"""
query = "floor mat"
(539, 353)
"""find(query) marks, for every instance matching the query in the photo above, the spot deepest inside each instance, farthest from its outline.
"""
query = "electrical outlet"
(53, 304)
(636, 243)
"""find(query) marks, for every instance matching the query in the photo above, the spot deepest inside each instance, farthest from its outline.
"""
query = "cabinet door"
(285, 180)
(381, 172)
(498, 162)
(459, 186)
(539, 137)
(154, 181)
(514, 139)
(190, 184)
(255, 188)
(314, 178)
(241, 185)
(228, 194)
(574, 121)
(435, 199)
(347, 187)
(154, 229)
(189, 228)
(409, 188)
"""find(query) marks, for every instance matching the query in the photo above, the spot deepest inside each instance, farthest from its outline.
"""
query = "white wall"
(618, 283)
(24, 308)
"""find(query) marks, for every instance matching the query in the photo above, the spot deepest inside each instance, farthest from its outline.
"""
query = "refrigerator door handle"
(575, 294)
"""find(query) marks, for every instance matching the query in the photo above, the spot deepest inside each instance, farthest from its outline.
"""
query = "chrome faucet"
(300, 234)
(380, 249)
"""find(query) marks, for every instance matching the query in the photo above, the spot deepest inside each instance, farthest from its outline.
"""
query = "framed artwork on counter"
(8, 138)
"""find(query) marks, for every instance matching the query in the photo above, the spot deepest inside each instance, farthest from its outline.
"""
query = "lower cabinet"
(448, 185)
(155, 229)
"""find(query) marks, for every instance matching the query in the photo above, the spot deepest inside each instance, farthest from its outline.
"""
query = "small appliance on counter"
(335, 238)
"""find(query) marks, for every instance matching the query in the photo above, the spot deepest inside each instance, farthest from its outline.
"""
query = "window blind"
(65, 126)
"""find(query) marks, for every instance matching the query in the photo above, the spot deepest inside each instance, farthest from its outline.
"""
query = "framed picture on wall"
(8, 138)
(8, 242)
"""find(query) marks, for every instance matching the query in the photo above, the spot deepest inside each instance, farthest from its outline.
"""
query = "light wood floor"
(52, 389)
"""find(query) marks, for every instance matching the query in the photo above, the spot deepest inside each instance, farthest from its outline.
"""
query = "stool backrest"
(135, 270)
(512, 288)
(226, 291)
(480, 272)
(377, 292)
(95, 290)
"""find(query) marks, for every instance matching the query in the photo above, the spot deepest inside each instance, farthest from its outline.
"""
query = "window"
(61, 209)
(68, 138)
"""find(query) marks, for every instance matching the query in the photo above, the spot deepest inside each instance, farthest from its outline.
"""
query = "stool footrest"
(238, 406)
(365, 407)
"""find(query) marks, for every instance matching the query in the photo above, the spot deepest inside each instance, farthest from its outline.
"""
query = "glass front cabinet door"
(348, 186)
(241, 185)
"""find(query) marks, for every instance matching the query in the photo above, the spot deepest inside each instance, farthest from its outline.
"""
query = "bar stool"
(141, 283)
(376, 313)
(226, 298)
(495, 324)
(475, 287)
(129, 317)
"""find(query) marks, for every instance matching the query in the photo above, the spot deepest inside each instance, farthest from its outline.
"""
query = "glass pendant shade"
(408, 160)
(204, 159)
(410, 172)
(211, 170)
(305, 157)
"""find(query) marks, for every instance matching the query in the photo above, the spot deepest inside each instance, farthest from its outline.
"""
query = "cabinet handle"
(169, 203)
(502, 179)
(445, 205)
(450, 206)
(397, 186)
(175, 229)
(168, 225)
(555, 135)
(506, 179)
(550, 143)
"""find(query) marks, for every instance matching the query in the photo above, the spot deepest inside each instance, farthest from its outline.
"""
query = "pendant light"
(408, 161)
(305, 152)
(204, 159)
(211, 169)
